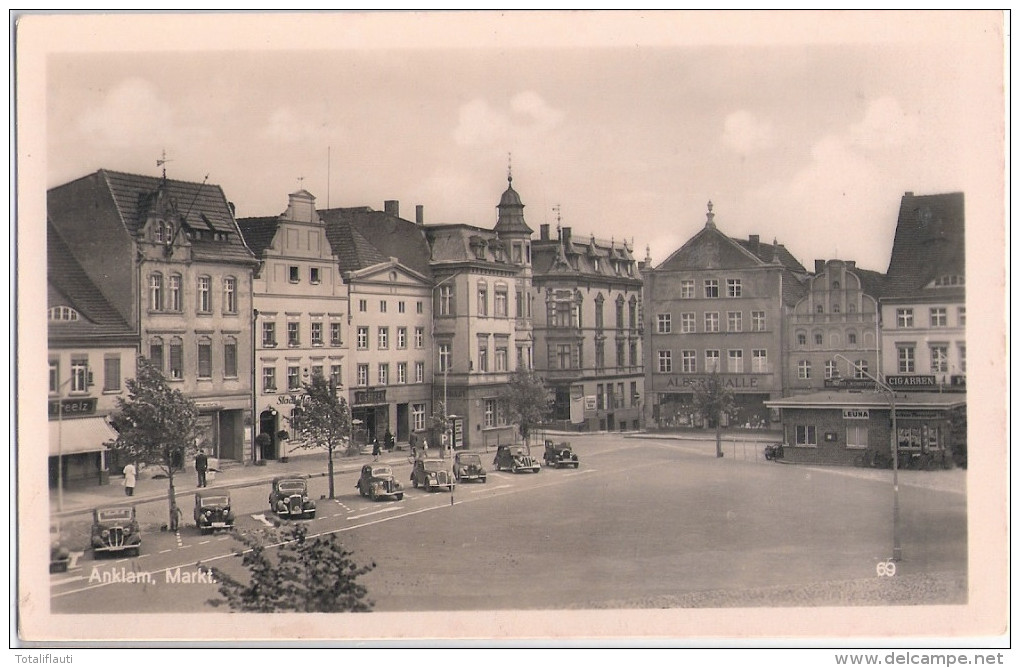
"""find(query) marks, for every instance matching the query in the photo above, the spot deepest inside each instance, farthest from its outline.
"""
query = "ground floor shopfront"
(479, 416)
(77, 451)
(856, 428)
(610, 403)
(671, 400)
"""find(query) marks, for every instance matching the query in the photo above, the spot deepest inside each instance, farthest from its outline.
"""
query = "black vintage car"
(212, 511)
(515, 459)
(560, 454)
(289, 498)
(468, 466)
(115, 530)
(377, 482)
(431, 474)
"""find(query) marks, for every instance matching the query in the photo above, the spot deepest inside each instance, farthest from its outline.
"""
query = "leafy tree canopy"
(325, 418)
(528, 401)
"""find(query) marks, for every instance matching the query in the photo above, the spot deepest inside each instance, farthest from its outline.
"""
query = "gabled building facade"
(169, 258)
(300, 317)
(718, 306)
(588, 329)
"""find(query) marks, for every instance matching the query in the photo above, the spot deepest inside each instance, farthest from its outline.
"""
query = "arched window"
(835, 285)
(851, 338)
(156, 291)
(819, 309)
(801, 338)
(65, 313)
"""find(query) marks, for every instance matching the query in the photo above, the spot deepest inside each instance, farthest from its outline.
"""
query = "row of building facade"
(406, 318)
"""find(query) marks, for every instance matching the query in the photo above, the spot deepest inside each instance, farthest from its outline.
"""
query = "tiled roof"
(203, 204)
(352, 250)
(767, 252)
(511, 213)
(583, 251)
(456, 243)
(795, 287)
(929, 243)
(258, 232)
(69, 285)
(872, 282)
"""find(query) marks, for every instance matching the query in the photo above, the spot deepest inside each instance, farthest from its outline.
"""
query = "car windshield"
(215, 501)
(433, 465)
(114, 514)
(382, 471)
(292, 485)
(470, 459)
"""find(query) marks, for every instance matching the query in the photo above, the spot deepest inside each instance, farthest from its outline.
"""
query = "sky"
(628, 123)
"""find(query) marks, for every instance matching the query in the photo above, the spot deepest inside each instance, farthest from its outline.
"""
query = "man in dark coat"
(201, 466)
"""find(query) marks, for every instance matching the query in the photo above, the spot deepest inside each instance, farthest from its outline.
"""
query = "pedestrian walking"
(425, 448)
(129, 479)
(201, 466)
(390, 441)
(375, 449)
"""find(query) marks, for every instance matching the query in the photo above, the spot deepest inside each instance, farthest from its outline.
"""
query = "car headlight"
(127, 530)
(105, 533)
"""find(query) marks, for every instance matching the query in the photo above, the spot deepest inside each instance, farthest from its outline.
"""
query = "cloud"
(288, 126)
(528, 118)
(884, 124)
(132, 113)
(744, 133)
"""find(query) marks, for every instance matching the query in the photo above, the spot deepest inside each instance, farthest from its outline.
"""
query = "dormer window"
(595, 262)
(159, 232)
(63, 313)
(949, 281)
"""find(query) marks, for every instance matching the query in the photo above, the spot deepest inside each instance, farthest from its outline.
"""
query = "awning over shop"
(80, 435)
(904, 400)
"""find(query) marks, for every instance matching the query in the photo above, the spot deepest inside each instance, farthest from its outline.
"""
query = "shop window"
(806, 435)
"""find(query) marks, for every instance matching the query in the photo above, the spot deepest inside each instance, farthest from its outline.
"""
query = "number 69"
(885, 568)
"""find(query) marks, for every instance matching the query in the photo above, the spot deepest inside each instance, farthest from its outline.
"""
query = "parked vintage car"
(60, 556)
(431, 474)
(560, 454)
(115, 530)
(468, 466)
(212, 511)
(377, 482)
(289, 498)
(515, 459)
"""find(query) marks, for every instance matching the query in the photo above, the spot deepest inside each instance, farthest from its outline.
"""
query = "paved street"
(641, 519)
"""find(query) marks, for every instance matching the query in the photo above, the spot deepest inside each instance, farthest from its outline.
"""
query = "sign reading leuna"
(856, 414)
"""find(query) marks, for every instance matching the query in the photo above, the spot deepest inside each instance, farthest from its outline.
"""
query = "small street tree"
(325, 420)
(528, 401)
(712, 400)
(294, 573)
(157, 426)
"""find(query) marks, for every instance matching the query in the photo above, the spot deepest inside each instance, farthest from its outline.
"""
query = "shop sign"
(849, 384)
(920, 414)
(73, 407)
(370, 397)
(911, 382)
(296, 399)
(958, 381)
(589, 403)
(729, 382)
(856, 414)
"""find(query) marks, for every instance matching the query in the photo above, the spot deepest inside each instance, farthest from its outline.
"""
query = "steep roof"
(362, 237)
(872, 282)
(929, 243)
(511, 212)
(203, 205)
(467, 243)
(769, 252)
(259, 232)
(577, 256)
(69, 285)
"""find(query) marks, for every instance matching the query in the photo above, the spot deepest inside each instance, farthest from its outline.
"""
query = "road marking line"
(120, 561)
(337, 514)
(74, 578)
(142, 556)
(75, 556)
(184, 547)
(376, 512)
(164, 551)
(261, 517)
(203, 542)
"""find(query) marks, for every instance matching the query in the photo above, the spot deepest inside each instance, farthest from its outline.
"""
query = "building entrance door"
(403, 423)
(268, 425)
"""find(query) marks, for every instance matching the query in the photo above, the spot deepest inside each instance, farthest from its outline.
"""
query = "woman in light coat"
(129, 479)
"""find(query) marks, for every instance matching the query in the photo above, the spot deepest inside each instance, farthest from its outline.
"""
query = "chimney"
(851, 265)
(392, 207)
(566, 235)
(543, 232)
(755, 243)
(909, 193)
(419, 214)
(819, 266)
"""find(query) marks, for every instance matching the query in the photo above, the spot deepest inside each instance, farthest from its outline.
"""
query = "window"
(483, 355)
(757, 321)
(520, 304)
(362, 338)
(599, 312)
(446, 300)
(688, 361)
(230, 295)
(418, 416)
(818, 338)
(905, 359)
(316, 333)
(619, 312)
(336, 375)
(620, 352)
(362, 305)
(830, 370)
(561, 314)
(205, 358)
(176, 359)
(156, 292)
(294, 274)
(713, 363)
(904, 317)
(293, 333)
(159, 232)
(269, 379)
(939, 358)
(632, 313)
(563, 356)
(445, 357)
(384, 374)
(600, 354)
(600, 398)
(711, 322)
(483, 299)
(711, 288)
(419, 307)
(946, 281)
(293, 378)
(501, 359)
(860, 369)
(835, 285)
(204, 294)
(734, 321)
(961, 316)
(499, 303)
(518, 254)
(156, 353)
(230, 358)
(54, 376)
(314, 276)
(687, 289)
(269, 334)
(851, 308)
(384, 338)
(688, 324)
(759, 361)
(65, 313)
(804, 370)
(733, 287)
(419, 337)
(419, 372)
(490, 413)
(801, 339)
(316, 370)
(735, 361)
(856, 436)
(851, 338)
(962, 349)
(937, 316)
(664, 323)
(336, 333)
(362, 375)
(400, 307)
(173, 297)
(633, 352)
(401, 372)
(382, 306)
(111, 373)
(665, 361)
(806, 435)
(835, 308)
(79, 374)
(401, 338)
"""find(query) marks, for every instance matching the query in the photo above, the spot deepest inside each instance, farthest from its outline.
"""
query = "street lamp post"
(897, 554)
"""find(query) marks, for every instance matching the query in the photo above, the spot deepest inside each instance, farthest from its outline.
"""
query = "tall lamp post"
(897, 549)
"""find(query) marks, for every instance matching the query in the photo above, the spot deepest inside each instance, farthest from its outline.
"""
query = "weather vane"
(161, 162)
